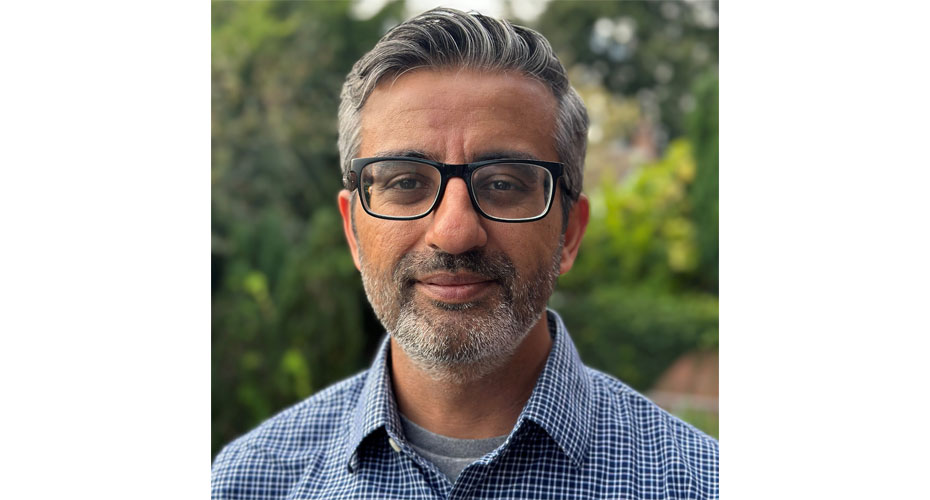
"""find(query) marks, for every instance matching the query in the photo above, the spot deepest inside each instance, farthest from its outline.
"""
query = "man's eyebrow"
(497, 155)
(407, 153)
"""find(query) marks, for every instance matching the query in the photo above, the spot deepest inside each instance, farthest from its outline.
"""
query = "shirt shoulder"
(285, 443)
(642, 409)
(661, 440)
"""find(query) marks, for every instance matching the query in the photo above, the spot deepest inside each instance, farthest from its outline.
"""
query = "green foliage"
(629, 300)
(705, 190)
(289, 314)
(641, 230)
(276, 341)
(651, 50)
(635, 333)
(704, 420)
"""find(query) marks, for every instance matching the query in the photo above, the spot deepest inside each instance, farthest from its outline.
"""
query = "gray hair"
(442, 38)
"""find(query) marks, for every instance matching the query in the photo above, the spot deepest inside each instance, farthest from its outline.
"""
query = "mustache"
(489, 265)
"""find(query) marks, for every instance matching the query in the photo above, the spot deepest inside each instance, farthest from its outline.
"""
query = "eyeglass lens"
(502, 190)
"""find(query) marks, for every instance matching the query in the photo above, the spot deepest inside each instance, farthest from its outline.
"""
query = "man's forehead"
(447, 88)
(432, 113)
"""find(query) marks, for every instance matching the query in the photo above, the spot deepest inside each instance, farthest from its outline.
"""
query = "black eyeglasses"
(504, 190)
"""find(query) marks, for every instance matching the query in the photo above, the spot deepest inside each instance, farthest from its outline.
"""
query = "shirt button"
(394, 444)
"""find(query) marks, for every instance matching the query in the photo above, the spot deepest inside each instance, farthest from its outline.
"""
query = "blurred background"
(289, 313)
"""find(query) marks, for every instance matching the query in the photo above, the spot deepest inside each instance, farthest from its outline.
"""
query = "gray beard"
(466, 341)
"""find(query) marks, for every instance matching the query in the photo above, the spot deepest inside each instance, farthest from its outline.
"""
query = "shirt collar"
(376, 407)
(560, 403)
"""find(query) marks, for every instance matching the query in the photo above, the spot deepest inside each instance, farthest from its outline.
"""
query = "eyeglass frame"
(446, 172)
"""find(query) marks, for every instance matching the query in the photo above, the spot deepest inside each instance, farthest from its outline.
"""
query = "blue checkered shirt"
(582, 434)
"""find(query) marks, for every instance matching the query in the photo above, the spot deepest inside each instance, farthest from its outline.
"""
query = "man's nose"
(455, 226)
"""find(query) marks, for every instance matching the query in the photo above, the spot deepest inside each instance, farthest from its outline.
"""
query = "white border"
(104, 199)
(824, 249)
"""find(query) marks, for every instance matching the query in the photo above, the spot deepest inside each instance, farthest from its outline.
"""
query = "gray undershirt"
(449, 455)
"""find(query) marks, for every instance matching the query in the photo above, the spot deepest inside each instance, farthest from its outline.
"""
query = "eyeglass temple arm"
(350, 180)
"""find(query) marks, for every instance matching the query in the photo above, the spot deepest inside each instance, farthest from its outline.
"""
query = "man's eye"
(408, 183)
(503, 185)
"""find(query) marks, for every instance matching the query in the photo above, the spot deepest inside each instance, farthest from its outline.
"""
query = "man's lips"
(462, 287)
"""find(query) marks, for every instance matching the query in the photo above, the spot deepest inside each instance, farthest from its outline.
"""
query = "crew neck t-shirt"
(449, 455)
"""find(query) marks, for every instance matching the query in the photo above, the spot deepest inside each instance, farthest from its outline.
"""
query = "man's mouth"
(454, 287)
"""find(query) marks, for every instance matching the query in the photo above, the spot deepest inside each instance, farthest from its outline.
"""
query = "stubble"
(460, 341)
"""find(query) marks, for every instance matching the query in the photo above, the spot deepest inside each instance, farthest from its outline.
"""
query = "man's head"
(457, 290)
(447, 38)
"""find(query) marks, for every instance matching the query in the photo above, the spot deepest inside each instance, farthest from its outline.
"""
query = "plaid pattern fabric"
(582, 434)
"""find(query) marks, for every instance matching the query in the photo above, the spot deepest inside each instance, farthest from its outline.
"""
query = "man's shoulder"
(651, 426)
(306, 426)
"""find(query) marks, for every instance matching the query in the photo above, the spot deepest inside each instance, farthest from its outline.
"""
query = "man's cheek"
(389, 243)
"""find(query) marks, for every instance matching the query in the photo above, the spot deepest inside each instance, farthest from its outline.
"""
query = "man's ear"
(345, 209)
(577, 222)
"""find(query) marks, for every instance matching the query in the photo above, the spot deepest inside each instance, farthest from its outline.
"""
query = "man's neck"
(476, 409)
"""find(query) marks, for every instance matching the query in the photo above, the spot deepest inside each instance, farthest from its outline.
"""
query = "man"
(462, 146)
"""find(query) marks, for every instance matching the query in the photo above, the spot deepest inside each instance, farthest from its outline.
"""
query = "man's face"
(459, 292)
